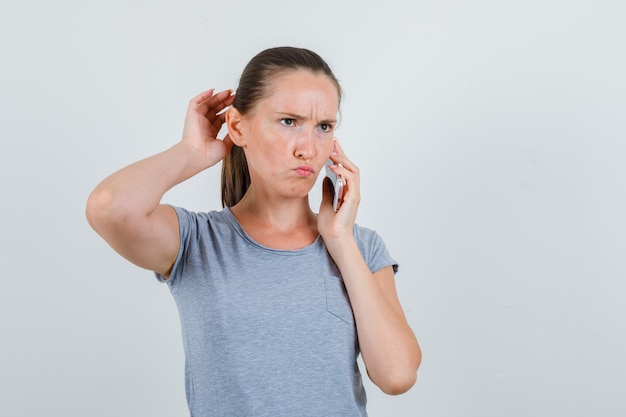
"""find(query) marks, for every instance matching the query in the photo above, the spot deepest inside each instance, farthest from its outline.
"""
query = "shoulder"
(203, 236)
(367, 237)
(365, 233)
(203, 227)
(373, 248)
(200, 215)
(189, 218)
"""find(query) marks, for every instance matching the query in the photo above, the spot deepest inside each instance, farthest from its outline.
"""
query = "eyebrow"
(300, 117)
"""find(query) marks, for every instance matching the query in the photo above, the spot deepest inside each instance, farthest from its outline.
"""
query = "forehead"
(303, 89)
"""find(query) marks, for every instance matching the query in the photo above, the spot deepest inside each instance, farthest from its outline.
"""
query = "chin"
(301, 188)
(300, 192)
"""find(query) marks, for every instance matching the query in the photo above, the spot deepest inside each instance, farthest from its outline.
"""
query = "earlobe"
(234, 123)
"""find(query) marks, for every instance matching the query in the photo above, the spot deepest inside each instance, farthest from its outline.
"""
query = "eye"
(326, 127)
(288, 122)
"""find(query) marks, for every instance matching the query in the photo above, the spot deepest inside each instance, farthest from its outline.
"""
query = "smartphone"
(338, 184)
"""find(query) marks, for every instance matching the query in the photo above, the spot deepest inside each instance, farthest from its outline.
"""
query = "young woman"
(276, 302)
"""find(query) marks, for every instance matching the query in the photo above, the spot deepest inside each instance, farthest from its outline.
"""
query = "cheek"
(270, 152)
(327, 144)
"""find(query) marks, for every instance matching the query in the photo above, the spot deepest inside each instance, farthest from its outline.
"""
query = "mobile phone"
(338, 184)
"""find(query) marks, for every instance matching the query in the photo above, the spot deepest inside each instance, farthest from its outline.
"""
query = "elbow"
(399, 383)
(102, 211)
(93, 208)
(401, 377)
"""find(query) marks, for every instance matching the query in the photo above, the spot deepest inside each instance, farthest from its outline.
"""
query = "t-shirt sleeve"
(373, 249)
(188, 226)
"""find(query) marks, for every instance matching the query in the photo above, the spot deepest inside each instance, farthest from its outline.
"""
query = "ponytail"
(235, 177)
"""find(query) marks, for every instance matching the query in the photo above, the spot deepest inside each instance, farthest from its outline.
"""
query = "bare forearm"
(389, 348)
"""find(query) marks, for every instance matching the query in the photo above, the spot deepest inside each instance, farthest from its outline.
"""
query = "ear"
(235, 124)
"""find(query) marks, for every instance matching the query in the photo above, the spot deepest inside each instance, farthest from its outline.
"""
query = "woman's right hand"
(203, 121)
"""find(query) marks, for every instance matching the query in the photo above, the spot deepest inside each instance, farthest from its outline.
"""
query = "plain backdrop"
(491, 141)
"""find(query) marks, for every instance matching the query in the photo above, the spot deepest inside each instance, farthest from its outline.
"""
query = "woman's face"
(289, 134)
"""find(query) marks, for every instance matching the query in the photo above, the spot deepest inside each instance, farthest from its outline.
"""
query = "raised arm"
(125, 208)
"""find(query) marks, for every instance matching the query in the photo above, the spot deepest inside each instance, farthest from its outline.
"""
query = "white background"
(491, 140)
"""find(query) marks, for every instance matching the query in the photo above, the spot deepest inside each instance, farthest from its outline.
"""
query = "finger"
(218, 114)
(216, 99)
(215, 104)
(338, 149)
(338, 154)
(228, 144)
(340, 158)
(344, 167)
(205, 95)
(222, 105)
(219, 121)
(350, 178)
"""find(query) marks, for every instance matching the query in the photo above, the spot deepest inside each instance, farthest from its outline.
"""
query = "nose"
(305, 147)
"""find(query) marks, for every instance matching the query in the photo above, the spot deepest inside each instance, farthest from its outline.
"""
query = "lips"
(304, 171)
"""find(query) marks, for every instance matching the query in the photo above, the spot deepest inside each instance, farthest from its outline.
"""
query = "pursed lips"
(304, 171)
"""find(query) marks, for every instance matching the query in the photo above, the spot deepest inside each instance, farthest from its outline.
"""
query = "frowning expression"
(289, 134)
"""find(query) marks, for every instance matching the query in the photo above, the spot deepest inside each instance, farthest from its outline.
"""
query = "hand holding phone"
(337, 185)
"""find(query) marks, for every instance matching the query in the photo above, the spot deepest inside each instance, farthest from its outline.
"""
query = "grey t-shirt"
(266, 332)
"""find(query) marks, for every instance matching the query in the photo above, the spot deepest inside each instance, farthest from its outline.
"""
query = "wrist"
(340, 247)
(193, 160)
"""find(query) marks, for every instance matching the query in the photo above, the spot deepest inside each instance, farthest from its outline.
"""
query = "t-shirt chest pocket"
(337, 301)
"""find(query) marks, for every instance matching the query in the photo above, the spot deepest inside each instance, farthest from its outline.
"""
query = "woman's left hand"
(340, 224)
(388, 345)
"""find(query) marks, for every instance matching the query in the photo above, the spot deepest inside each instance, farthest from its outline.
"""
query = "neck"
(280, 213)
(279, 223)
